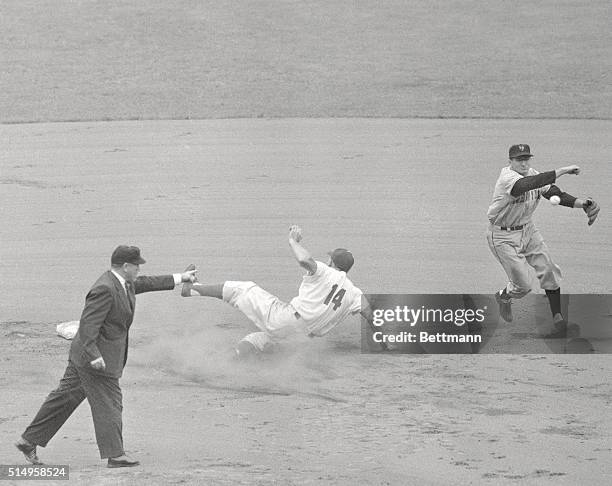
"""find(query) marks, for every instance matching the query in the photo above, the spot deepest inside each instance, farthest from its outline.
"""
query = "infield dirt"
(408, 197)
(407, 192)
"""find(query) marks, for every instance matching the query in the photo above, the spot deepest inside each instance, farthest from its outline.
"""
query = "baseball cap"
(520, 150)
(342, 258)
(127, 254)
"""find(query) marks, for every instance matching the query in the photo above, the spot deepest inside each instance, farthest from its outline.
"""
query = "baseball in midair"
(554, 200)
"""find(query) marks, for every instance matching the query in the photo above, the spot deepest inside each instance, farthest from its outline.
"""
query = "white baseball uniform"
(325, 299)
(513, 238)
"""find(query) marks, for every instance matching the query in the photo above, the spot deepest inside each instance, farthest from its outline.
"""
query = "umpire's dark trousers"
(104, 396)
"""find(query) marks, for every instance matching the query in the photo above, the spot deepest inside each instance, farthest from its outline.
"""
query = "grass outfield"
(152, 59)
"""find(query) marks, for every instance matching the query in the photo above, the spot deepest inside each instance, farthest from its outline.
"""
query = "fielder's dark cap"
(520, 150)
(127, 254)
(342, 258)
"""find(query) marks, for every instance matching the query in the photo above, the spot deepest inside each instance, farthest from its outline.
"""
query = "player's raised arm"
(529, 183)
(301, 254)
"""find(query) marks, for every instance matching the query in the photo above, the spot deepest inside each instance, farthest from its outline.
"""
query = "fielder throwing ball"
(514, 239)
(326, 297)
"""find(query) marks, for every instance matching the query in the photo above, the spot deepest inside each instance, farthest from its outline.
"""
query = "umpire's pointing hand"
(189, 276)
(572, 169)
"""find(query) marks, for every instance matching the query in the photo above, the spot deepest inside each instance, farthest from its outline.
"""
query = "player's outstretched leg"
(214, 290)
(560, 324)
(267, 312)
(505, 305)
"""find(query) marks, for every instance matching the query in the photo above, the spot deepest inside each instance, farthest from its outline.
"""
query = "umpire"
(97, 357)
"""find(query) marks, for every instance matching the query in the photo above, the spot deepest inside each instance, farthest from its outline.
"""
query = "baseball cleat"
(246, 350)
(255, 344)
(559, 330)
(505, 307)
(29, 451)
(186, 290)
(187, 286)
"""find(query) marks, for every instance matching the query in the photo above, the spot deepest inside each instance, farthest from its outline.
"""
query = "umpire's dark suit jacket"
(106, 320)
(103, 331)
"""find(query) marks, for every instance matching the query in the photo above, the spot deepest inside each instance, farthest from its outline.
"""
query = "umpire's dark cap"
(127, 254)
(520, 150)
(342, 258)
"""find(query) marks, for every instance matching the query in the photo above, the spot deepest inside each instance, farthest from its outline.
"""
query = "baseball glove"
(591, 208)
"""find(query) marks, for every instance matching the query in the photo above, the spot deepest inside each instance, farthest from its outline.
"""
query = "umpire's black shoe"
(123, 462)
(505, 306)
(29, 451)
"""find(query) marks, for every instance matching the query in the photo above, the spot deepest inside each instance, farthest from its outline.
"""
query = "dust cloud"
(206, 356)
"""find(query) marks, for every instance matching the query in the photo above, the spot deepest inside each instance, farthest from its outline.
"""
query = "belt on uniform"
(511, 228)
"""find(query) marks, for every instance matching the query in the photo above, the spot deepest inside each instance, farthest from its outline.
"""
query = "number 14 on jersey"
(334, 298)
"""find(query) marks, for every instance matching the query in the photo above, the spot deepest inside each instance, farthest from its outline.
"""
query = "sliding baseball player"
(326, 297)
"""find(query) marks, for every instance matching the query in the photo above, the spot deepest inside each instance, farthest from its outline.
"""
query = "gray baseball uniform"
(513, 238)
